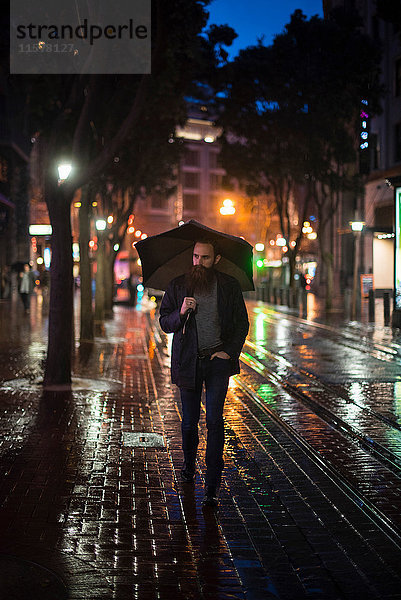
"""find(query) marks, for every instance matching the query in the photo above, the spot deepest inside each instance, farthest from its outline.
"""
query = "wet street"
(91, 504)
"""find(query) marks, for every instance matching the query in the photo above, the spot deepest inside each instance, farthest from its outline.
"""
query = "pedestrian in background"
(206, 312)
(26, 286)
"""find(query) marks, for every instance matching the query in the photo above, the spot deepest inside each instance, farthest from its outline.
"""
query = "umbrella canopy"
(169, 255)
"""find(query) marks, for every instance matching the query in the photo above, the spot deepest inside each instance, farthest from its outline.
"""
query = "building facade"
(380, 145)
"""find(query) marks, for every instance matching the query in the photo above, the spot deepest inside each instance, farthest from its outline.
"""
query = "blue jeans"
(215, 375)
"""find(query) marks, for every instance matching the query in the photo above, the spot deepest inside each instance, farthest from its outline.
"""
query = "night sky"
(252, 19)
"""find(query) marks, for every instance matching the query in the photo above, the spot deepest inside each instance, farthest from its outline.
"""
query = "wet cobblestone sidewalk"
(108, 520)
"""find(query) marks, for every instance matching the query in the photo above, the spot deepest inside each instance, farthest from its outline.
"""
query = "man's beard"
(200, 280)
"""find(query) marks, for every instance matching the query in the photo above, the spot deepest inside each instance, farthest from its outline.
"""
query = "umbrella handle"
(186, 320)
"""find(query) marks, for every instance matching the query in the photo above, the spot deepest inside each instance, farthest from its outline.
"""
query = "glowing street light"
(357, 227)
(63, 171)
(101, 224)
(228, 207)
(259, 247)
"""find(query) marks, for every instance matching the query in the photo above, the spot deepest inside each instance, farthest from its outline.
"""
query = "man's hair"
(212, 242)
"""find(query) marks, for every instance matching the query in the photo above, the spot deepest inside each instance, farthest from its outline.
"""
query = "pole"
(371, 305)
(386, 307)
(396, 318)
(357, 237)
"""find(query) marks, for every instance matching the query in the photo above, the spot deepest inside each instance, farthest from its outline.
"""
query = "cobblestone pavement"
(310, 502)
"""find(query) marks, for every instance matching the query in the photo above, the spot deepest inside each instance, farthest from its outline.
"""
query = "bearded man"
(206, 312)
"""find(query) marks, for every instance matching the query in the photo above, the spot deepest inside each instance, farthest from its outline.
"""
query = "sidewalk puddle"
(78, 383)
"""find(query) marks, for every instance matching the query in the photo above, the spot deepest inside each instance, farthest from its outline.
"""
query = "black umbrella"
(169, 254)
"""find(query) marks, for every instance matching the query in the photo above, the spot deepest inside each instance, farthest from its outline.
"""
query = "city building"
(385, 157)
(380, 145)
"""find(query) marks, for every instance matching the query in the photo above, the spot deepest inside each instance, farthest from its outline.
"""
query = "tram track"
(384, 519)
(349, 339)
(338, 434)
(306, 392)
(259, 349)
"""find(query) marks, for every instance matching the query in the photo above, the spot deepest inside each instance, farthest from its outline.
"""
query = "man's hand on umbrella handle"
(188, 305)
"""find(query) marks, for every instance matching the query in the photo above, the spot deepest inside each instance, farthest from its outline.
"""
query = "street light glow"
(63, 171)
(228, 207)
(357, 225)
(259, 247)
(101, 224)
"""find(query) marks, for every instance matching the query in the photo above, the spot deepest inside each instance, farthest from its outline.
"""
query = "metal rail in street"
(349, 455)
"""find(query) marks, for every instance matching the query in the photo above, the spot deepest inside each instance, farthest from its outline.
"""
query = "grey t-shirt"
(207, 319)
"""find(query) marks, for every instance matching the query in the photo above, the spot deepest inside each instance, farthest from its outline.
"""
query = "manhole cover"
(137, 439)
(22, 580)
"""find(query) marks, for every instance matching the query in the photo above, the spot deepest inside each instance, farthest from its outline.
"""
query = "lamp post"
(357, 227)
(100, 225)
(395, 182)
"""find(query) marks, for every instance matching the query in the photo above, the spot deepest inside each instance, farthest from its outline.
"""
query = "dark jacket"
(233, 319)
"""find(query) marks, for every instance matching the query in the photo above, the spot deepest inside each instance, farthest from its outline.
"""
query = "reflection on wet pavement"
(112, 518)
(332, 387)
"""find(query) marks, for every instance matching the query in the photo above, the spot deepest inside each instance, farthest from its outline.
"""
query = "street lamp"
(64, 169)
(357, 227)
(228, 207)
(100, 224)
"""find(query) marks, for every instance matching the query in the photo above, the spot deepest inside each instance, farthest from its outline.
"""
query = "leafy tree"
(88, 119)
(288, 107)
